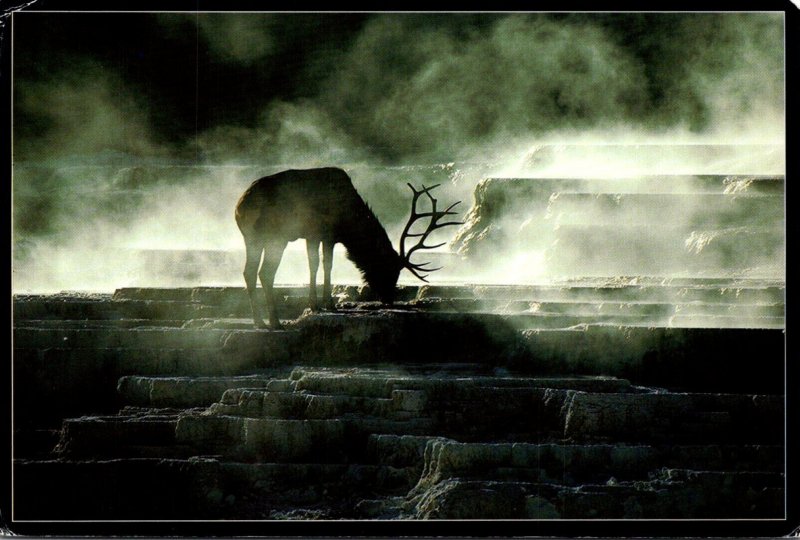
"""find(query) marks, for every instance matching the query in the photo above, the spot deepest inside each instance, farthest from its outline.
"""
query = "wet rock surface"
(578, 400)
(644, 225)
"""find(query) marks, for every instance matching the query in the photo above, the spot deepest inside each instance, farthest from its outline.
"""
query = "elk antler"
(432, 226)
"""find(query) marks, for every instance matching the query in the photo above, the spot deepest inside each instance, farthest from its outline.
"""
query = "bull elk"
(322, 206)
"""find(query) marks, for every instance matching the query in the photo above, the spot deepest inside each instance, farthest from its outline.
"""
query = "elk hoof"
(260, 325)
(276, 326)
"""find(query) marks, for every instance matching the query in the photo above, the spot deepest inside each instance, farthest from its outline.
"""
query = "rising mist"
(138, 131)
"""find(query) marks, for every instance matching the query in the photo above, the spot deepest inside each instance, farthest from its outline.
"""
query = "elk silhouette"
(322, 206)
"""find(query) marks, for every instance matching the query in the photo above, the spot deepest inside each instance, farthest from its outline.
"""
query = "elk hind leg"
(273, 251)
(253, 257)
(312, 249)
(327, 265)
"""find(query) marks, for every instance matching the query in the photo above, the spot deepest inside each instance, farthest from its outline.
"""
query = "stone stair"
(432, 443)
(574, 400)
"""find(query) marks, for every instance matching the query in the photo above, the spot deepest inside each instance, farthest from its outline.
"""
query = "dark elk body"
(322, 206)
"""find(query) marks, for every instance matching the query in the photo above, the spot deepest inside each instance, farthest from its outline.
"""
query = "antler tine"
(433, 225)
(449, 208)
(413, 268)
(420, 266)
(429, 189)
(438, 214)
(423, 190)
(423, 278)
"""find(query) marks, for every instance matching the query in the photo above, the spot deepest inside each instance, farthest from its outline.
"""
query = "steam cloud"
(102, 164)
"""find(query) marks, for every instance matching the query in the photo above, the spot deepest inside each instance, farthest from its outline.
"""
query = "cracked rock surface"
(463, 402)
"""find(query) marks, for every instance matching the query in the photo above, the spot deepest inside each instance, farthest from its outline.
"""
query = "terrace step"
(538, 320)
(151, 306)
(646, 225)
(563, 463)
(714, 495)
(685, 358)
(83, 380)
(732, 292)
(576, 249)
(673, 417)
(35, 443)
(653, 310)
(151, 434)
(719, 210)
(99, 324)
(350, 407)
(482, 407)
(378, 383)
(185, 391)
(282, 404)
(334, 440)
(221, 303)
(202, 295)
(141, 338)
(236, 297)
(656, 184)
(708, 359)
(182, 434)
(196, 488)
(115, 362)
(202, 391)
(66, 308)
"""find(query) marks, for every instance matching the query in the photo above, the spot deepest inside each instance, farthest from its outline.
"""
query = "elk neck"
(368, 246)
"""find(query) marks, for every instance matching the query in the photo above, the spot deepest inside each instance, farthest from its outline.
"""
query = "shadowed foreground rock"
(565, 401)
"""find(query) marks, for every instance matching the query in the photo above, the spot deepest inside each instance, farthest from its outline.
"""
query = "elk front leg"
(312, 249)
(253, 257)
(273, 251)
(327, 265)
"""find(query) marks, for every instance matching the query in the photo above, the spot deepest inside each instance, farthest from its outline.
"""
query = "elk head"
(420, 270)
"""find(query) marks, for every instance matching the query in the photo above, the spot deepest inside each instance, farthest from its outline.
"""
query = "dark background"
(188, 73)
